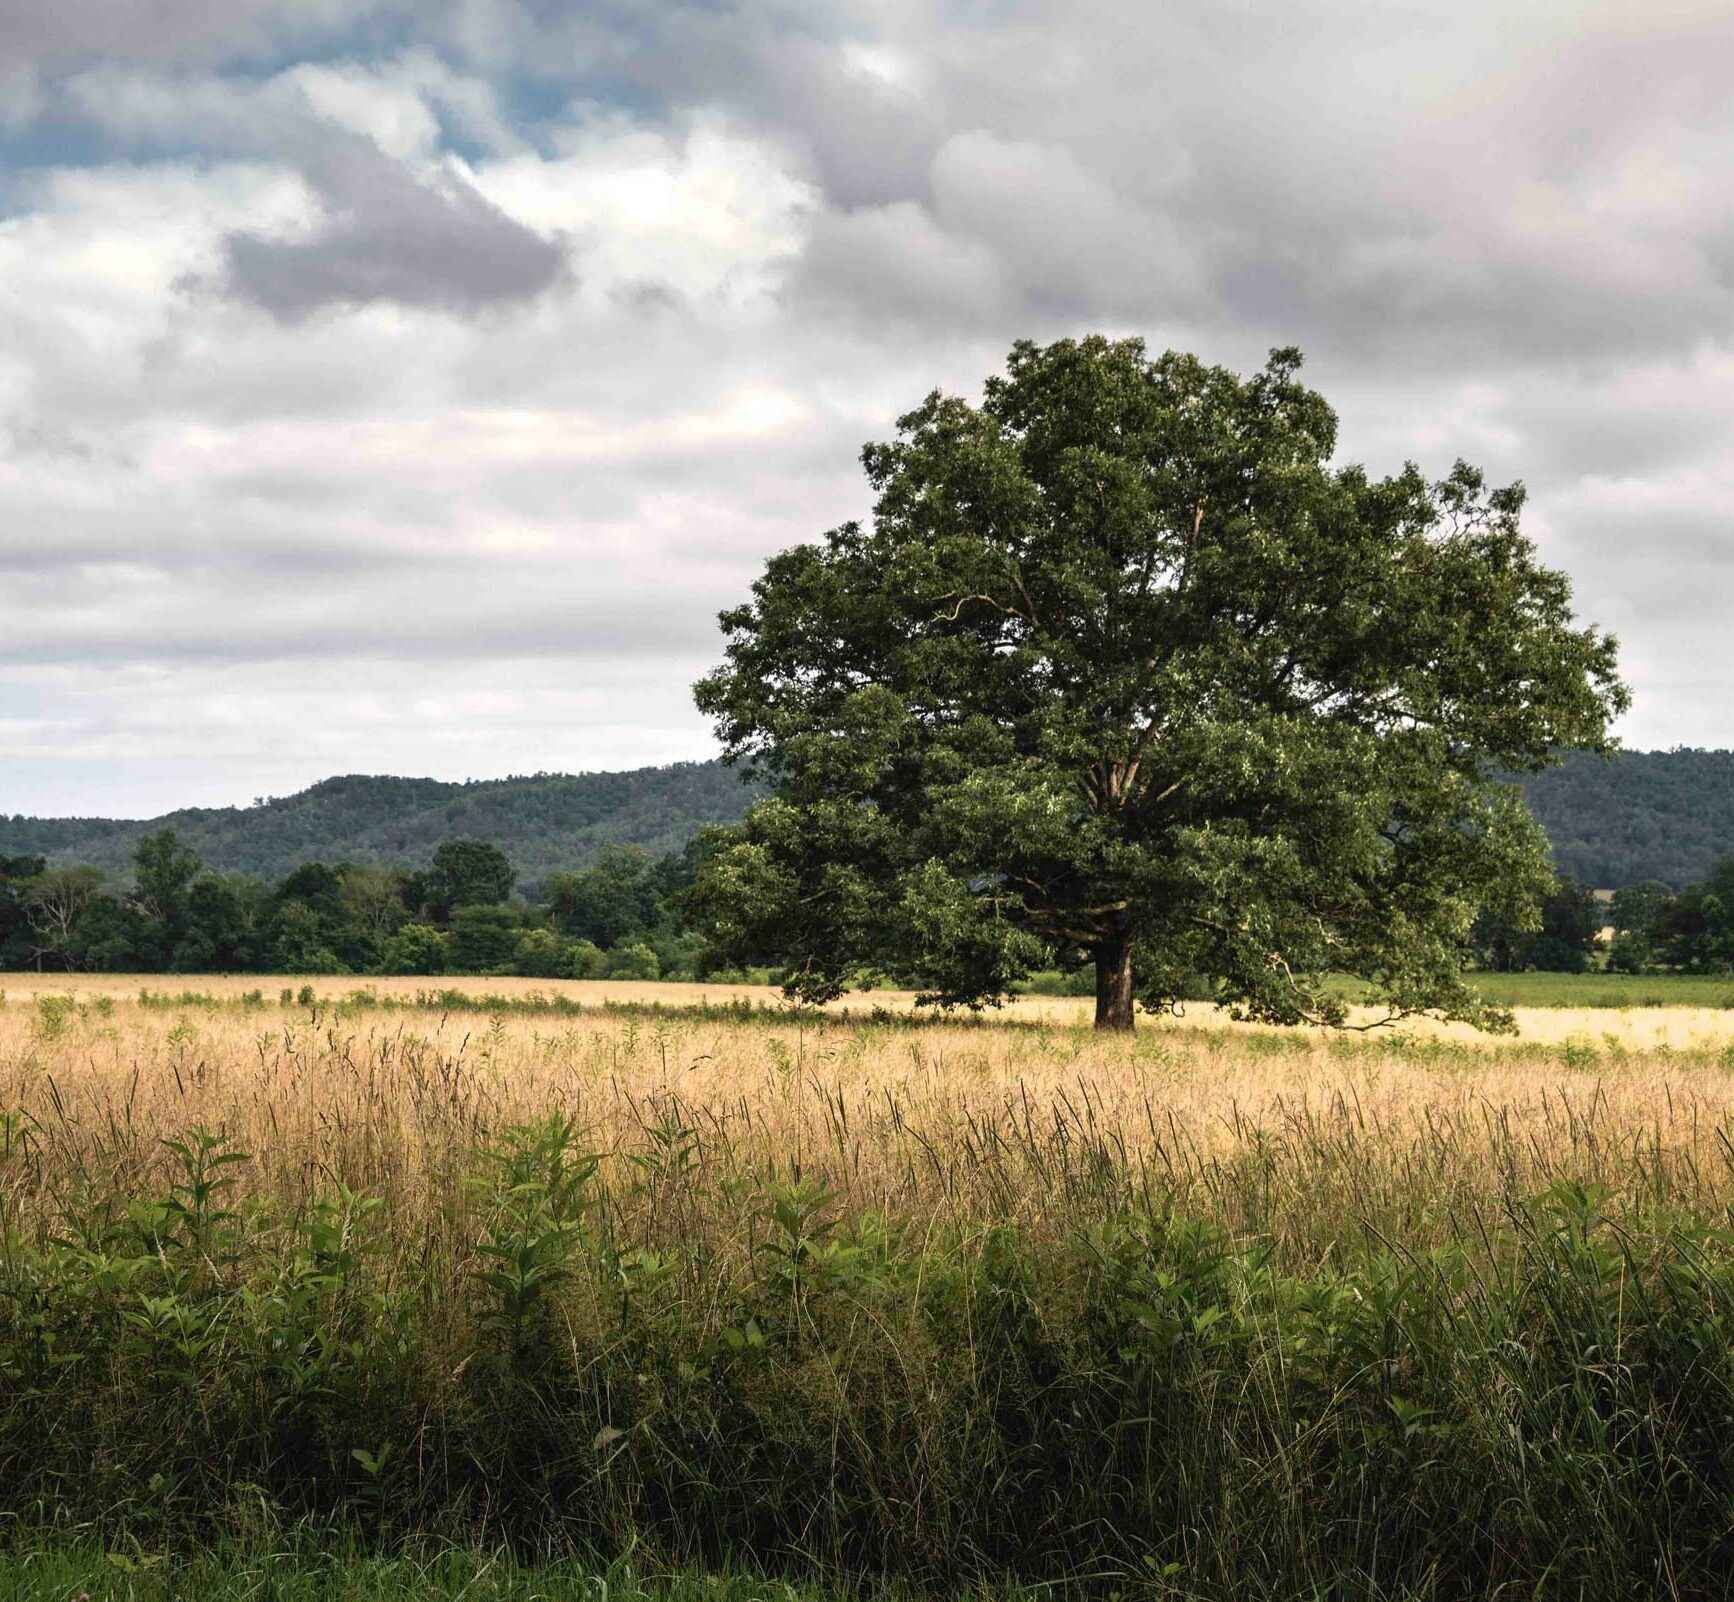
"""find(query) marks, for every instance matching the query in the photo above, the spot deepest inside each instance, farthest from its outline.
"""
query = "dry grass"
(1636, 1028)
(992, 1118)
(1208, 1311)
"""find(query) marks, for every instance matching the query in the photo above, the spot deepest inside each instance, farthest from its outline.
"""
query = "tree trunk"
(1114, 983)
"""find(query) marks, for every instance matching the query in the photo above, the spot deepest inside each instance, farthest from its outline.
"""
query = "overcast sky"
(403, 385)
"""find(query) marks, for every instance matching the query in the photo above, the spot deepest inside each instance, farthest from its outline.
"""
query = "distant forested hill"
(1643, 815)
(544, 822)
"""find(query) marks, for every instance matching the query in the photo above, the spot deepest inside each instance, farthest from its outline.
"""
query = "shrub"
(416, 948)
(1630, 954)
(541, 954)
(634, 962)
(585, 960)
(319, 960)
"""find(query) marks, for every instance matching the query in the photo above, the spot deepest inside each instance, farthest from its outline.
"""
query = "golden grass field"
(602, 1264)
(977, 1116)
(1636, 1028)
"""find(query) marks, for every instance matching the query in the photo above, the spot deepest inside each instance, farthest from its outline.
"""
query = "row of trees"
(1563, 940)
(1690, 929)
(618, 918)
(622, 917)
(1654, 928)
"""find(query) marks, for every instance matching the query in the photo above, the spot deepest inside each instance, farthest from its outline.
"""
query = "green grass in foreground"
(1169, 1384)
(310, 1572)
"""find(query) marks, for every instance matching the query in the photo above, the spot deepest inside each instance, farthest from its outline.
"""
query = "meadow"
(529, 1281)
(1607, 992)
(1597, 989)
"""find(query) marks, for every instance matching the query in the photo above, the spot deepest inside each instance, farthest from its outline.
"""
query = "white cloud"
(702, 211)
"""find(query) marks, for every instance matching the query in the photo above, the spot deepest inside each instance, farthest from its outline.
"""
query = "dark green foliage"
(1635, 915)
(1561, 941)
(1125, 672)
(224, 926)
(584, 959)
(416, 948)
(163, 872)
(1664, 815)
(113, 936)
(163, 869)
(544, 823)
(483, 939)
(349, 918)
(17, 945)
(634, 962)
(542, 954)
(1634, 909)
(1571, 923)
(312, 927)
(615, 899)
(1695, 929)
(467, 873)
(1691, 930)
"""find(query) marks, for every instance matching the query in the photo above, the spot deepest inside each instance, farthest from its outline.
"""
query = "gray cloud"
(419, 622)
(1434, 185)
(170, 30)
(387, 234)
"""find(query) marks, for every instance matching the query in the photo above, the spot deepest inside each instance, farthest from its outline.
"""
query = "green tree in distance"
(1560, 939)
(17, 945)
(468, 873)
(1124, 670)
(415, 948)
(1695, 929)
(609, 902)
(163, 871)
(483, 937)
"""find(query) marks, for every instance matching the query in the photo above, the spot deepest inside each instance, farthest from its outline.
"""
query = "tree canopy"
(469, 873)
(346, 917)
(1124, 671)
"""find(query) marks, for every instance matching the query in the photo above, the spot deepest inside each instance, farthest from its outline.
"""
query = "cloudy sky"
(403, 385)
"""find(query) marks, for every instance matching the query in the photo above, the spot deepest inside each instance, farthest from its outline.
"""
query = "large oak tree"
(1125, 671)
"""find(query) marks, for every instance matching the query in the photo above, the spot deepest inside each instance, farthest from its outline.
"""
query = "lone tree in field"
(1125, 672)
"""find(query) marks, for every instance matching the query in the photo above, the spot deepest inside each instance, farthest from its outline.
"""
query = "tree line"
(618, 918)
(624, 917)
(1655, 929)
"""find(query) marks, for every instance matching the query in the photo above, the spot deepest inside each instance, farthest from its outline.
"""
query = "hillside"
(543, 822)
(1645, 815)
